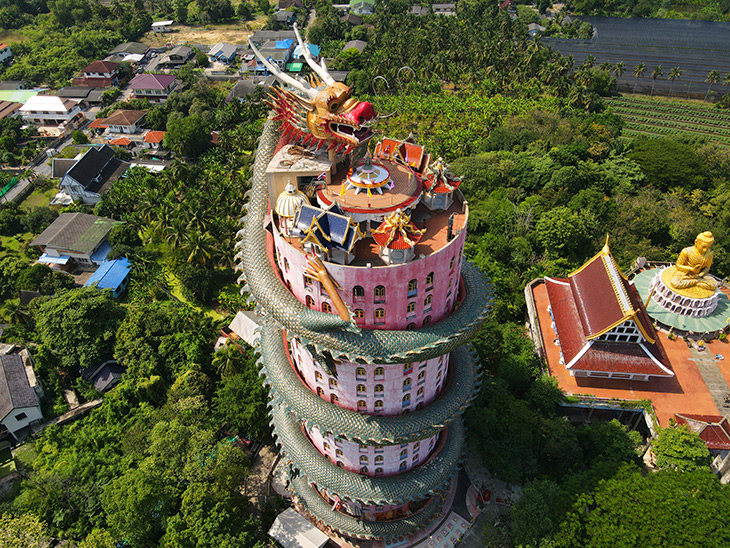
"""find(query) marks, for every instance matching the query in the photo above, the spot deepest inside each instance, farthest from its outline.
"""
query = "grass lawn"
(176, 290)
(26, 454)
(39, 198)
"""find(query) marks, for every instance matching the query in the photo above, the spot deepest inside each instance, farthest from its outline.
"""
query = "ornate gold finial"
(606, 249)
(398, 224)
(690, 276)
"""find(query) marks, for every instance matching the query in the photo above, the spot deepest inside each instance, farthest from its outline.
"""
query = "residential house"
(122, 142)
(176, 57)
(352, 19)
(260, 37)
(286, 17)
(5, 53)
(162, 26)
(125, 121)
(10, 85)
(51, 110)
(105, 375)
(19, 395)
(290, 4)
(359, 45)
(277, 51)
(222, 53)
(314, 51)
(154, 139)
(98, 74)
(533, 29)
(90, 175)
(153, 87)
(9, 108)
(250, 87)
(75, 240)
(122, 50)
(112, 275)
(419, 10)
(362, 7)
(444, 9)
(83, 94)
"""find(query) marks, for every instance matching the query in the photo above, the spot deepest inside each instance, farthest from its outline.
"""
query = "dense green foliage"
(714, 10)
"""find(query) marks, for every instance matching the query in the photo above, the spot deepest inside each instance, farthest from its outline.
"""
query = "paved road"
(43, 169)
(713, 379)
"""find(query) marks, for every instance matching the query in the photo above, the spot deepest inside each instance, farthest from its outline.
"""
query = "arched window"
(419, 405)
(360, 372)
(286, 265)
(318, 375)
(308, 282)
(320, 392)
(379, 388)
(339, 452)
(326, 307)
(378, 404)
(402, 465)
(416, 445)
(362, 404)
(378, 471)
(363, 459)
(379, 313)
(288, 286)
(429, 279)
(361, 389)
(379, 293)
(379, 371)
(310, 301)
(413, 288)
(411, 308)
(407, 398)
(339, 463)
(404, 453)
(427, 320)
(333, 383)
(411, 326)
(359, 313)
(326, 446)
(421, 375)
(420, 391)
(378, 459)
(451, 265)
(364, 470)
(334, 398)
(406, 383)
(427, 302)
(358, 291)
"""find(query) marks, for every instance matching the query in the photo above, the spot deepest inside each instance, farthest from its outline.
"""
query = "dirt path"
(231, 33)
(256, 485)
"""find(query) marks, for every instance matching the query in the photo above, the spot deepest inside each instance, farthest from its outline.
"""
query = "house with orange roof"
(714, 430)
(154, 139)
(5, 53)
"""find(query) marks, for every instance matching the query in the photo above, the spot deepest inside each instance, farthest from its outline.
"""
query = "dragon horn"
(282, 77)
(320, 70)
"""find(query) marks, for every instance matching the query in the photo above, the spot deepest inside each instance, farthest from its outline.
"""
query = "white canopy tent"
(293, 531)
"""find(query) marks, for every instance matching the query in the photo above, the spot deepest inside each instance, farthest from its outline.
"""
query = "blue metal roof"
(284, 44)
(99, 256)
(110, 274)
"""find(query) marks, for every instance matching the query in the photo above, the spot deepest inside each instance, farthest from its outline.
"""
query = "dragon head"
(321, 112)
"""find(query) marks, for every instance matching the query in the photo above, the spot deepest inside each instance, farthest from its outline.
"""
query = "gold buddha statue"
(689, 277)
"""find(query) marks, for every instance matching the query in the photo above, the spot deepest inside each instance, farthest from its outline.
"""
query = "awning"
(293, 531)
(294, 67)
(45, 258)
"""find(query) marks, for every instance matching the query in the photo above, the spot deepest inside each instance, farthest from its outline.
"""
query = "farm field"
(658, 117)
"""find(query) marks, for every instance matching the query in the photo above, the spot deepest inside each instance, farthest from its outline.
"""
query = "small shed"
(162, 26)
(112, 275)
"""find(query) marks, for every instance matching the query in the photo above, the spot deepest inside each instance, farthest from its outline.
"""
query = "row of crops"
(660, 118)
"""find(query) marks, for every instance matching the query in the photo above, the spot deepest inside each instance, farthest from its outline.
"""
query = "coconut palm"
(639, 71)
(674, 74)
(656, 74)
(199, 247)
(713, 77)
(619, 69)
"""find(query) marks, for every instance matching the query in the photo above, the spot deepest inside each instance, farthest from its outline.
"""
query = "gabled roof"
(125, 117)
(327, 228)
(605, 298)
(406, 152)
(714, 430)
(131, 47)
(60, 166)
(110, 274)
(120, 142)
(7, 108)
(79, 232)
(90, 165)
(152, 81)
(221, 48)
(154, 136)
(48, 103)
(440, 179)
(99, 123)
(101, 66)
(359, 45)
(182, 51)
(103, 374)
(15, 390)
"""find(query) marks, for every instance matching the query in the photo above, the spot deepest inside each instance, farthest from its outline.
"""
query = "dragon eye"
(333, 106)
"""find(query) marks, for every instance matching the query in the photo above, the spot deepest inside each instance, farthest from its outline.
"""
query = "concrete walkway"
(714, 380)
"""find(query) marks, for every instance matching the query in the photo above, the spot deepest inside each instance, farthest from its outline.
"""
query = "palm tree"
(619, 69)
(639, 71)
(713, 77)
(656, 74)
(199, 247)
(589, 61)
(674, 74)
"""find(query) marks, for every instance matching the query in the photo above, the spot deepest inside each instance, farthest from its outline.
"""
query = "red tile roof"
(154, 136)
(581, 354)
(98, 124)
(120, 141)
(101, 67)
(440, 179)
(397, 232)
(404, 151)
(714, 430)
(151, 81)
(125, 117)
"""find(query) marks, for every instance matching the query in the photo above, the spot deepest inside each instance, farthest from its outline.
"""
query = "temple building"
(366, 303)
(601, 324)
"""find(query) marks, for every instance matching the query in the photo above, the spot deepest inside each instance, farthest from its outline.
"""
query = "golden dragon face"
(333, 118)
